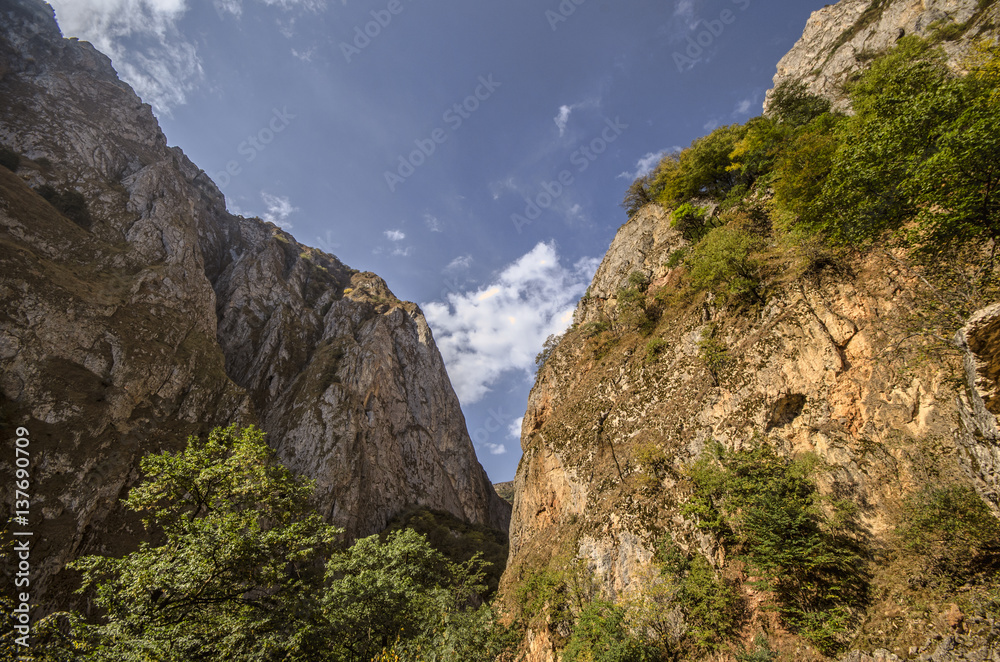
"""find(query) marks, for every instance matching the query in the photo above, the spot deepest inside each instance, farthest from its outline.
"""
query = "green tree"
(792, 103)
(768, 507)
(901, 105)
(690, 220)
(236, 571)
(637, 196)
(803, 166)
(246, 570)
(397, 588)
(601, 634)
(754, 155)
(702, 170)
(726, 261)
(957, 188)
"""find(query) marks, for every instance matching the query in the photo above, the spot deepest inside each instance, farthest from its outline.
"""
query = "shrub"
(792, 103)
(591, 329)
(633, 311)
(713, 353)
(638, 280)
(710, 604)
(676, 258)
(761, 652)
(953, 530)
(9, 159)
(601, 634)
(637, 196)
(769, 508)
(725, 261)
(689, 220)
(69, 203)
(654, 348)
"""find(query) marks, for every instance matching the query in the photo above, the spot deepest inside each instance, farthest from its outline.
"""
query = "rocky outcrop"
(840, 364)
(841, 38)
(162, 315)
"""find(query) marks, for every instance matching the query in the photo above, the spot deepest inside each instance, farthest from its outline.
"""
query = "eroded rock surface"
(841, 38)
(165, 316)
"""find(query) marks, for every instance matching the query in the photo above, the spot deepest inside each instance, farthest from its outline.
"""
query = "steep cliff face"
(852, 362)
(841, 38)
(835, 365)
(157, 314)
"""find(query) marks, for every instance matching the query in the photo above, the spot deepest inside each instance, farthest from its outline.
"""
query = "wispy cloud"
(278, 210)
(143, 41)
(647, 163)
(395, 235)
(460, 263)
(500, 327)
(562, 119)
(743, 107)
(433, 223)
(514, 430)
(565, 111)
(159, 64)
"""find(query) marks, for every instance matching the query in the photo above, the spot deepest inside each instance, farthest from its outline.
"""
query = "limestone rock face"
(834, 365)
(164, 315)
(840, 38)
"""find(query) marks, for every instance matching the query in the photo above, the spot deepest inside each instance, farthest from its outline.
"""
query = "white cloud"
(743, 107)
(143, 41)
(498, 328)
(402, 252)
(647, 163)
(159, 64)
(563, 118)
(460, 263)
(395, 235)
(514, 430)
(684, 10)
(278, 210)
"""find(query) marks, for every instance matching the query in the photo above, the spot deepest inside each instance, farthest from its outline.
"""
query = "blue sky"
(472, 154)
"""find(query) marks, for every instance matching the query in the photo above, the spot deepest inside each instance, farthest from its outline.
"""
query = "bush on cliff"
(767, 510)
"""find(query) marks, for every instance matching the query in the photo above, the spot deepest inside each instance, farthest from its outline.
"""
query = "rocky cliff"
(841, 38)
(879, 369)
(138, 311)
(835, 365)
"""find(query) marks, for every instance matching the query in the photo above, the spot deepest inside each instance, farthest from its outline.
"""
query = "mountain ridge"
(157, 314)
